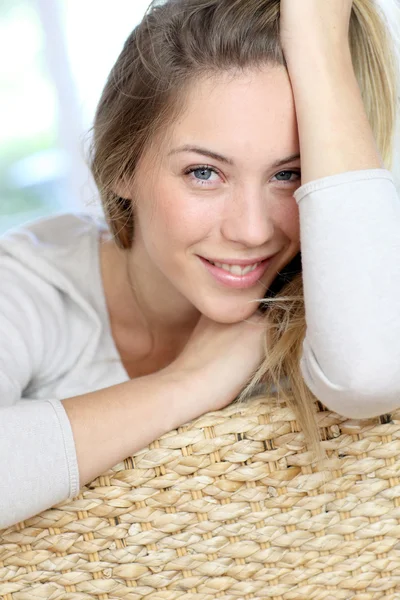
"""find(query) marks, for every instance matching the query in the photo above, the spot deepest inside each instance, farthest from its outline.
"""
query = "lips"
(242, 262)
(249, 276)
(236, 269)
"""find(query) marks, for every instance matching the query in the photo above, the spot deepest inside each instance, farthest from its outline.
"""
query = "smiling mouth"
(235, 269)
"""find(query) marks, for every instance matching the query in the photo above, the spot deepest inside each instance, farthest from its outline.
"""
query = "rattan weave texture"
(229, 506)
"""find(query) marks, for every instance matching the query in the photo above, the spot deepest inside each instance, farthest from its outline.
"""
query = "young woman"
(111, 336)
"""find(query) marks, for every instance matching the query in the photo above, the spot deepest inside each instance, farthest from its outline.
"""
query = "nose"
(246, 218)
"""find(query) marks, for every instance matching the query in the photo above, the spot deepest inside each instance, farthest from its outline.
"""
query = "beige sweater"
(56, 342)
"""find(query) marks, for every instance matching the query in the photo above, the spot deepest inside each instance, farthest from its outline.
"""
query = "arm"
(116, 422)
(350, 240)
(335, 134)
(331, 116)
(51, 447)
(350, 223)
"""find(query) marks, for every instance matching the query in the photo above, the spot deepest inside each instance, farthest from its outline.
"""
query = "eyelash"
(214, 170)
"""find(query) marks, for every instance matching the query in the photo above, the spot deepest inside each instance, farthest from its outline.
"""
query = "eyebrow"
(229, 161)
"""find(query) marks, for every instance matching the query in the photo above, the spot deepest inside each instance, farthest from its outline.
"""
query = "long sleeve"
(350, 243)
(38, 464)
(38, 467)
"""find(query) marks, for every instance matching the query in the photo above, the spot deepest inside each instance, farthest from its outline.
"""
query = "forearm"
(349, 241)
(351, 276)
(50, 448)
(110, 424)
(334, 131)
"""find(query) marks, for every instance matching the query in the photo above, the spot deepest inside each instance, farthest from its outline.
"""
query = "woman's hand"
(322, 23)
(218, 361)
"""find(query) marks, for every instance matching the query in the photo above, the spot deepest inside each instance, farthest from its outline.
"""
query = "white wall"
(396, 161)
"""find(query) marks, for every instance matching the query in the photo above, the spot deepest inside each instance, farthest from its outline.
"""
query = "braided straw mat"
(228, 506)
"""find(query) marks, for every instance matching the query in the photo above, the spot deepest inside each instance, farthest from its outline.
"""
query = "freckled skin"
(240, 211)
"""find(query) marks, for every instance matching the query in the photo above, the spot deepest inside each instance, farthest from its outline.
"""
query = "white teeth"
(237, 269)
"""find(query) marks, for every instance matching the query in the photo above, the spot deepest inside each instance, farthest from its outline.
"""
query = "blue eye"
(288, 173)
(203, 174)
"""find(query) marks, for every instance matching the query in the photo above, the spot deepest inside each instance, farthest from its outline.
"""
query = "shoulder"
(49, 305)
(60, 250)
(49, 237)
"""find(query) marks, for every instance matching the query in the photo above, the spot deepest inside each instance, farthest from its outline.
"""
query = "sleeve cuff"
(69, 447)
(340, 179)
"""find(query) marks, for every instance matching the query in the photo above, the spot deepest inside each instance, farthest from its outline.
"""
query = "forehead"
(242, 110)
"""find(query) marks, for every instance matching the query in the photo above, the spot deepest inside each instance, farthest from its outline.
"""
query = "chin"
(229, 315)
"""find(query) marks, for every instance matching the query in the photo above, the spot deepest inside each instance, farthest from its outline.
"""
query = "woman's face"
(216, 220)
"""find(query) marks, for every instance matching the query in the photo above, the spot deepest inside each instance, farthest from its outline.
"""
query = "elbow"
(358, 393)
(362, 404)
(373, 390)
(373, 398)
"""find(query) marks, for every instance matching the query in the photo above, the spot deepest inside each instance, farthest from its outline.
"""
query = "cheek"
(286, 216)
(179, 218)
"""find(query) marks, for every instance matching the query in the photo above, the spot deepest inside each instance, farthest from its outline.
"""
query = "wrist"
(312, 62)
(180, 395)
(194, 392)
(326, 92)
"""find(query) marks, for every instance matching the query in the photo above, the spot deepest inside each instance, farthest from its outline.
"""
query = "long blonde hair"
(177, 41)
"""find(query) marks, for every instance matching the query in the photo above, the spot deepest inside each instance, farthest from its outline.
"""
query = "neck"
(142, 303)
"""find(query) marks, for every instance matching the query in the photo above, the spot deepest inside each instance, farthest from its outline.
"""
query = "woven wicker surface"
(229, 506)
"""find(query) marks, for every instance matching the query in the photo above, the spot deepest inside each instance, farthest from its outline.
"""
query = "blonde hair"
(179, 40)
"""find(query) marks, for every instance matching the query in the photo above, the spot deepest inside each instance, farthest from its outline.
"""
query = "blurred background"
(56, 55)
(55, 58)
